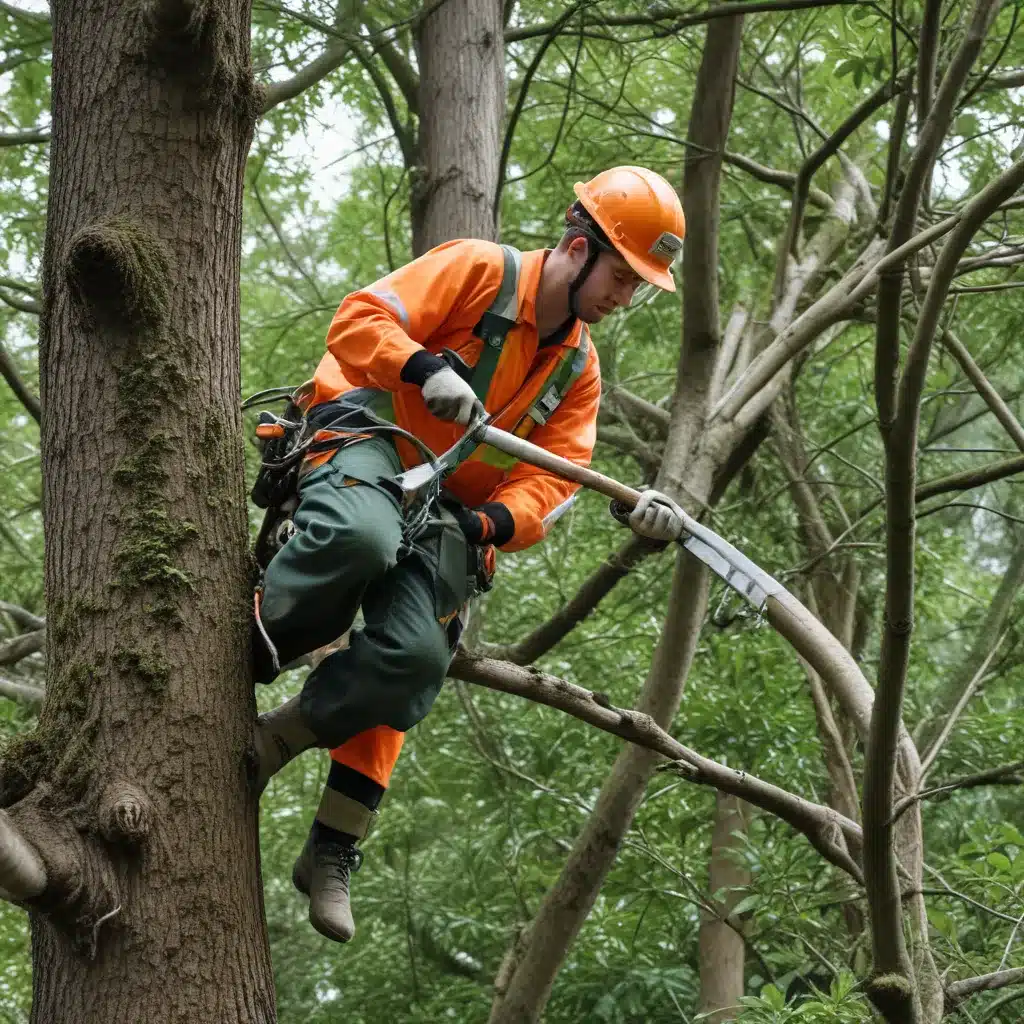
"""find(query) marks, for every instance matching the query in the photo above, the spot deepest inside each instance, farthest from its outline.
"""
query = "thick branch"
(22, 646)
(21, 692)
(26, 302)
(829, 832)
(334, 54)
(633, 406)
(22, 874)
(960, 990)
(22, 618)
(970, 478)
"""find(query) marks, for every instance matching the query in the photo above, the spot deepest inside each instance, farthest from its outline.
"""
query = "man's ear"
(579, 247)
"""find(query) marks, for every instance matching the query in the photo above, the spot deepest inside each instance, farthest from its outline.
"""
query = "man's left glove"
(490, 523)
(657, 517)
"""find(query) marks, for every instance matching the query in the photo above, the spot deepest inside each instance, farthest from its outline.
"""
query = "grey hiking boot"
(324, 867)
(331, 865)
(280, 735)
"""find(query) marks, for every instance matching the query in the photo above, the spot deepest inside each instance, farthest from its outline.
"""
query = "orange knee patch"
(373, 753)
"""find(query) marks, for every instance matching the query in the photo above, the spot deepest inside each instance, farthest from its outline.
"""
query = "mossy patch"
(119, 272)
(145, 386)
(145, 557)
(61, 749)
(65, 619)
(146, 666)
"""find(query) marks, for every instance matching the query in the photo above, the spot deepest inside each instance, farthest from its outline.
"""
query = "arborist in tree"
(469, 327)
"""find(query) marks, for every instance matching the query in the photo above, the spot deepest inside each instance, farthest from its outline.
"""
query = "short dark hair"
(580, 224)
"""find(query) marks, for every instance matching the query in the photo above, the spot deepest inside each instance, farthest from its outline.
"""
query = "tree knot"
(118, 273)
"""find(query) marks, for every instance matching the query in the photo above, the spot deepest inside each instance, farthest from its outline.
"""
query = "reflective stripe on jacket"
(434, 303)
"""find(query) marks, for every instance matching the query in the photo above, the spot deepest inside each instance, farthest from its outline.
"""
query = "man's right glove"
(449, 397)
(657, 517)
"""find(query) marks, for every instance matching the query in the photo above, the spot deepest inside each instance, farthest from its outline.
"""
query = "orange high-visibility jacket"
(434, 303)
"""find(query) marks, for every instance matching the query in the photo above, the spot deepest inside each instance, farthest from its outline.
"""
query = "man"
(423, 347)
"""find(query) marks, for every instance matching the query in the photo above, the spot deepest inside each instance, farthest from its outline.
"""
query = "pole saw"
(784, 612)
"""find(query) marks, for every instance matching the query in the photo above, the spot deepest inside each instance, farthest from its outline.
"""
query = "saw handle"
(523, 450)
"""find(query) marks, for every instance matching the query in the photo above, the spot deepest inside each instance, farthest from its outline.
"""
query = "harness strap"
(496, 322)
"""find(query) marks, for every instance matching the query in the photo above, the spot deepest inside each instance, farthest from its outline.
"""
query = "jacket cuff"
(419, 366)
(504, 524)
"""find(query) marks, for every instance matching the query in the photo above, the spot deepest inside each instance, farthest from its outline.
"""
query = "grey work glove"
(657, 517)
(449, 397)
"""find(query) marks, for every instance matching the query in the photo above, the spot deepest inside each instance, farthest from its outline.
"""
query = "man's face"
(609, 285)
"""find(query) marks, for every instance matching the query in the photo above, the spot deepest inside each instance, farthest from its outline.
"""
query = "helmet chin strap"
(593, 251)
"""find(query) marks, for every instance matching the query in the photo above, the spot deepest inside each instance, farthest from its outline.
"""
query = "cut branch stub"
(22, 873)
(118, 273)
(126, 814)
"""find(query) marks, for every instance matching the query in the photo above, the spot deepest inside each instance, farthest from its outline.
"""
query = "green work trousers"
(347, 552)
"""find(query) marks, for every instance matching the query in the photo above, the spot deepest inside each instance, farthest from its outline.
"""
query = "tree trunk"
(462, 106)
(134, 787)
(524, 982)
(722, 949)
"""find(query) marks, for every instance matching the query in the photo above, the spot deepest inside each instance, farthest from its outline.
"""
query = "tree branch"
(9, 372)
(22, 619)
(960, 990)
(773, 176)
(334, 54)
(28, 137)
(828, 831)
(1007, 774)
(918, 174)
(33, 17)
(974, 374)
(22, 873)
(401, 70)
(22, 646)
(681, 19)
(21, 692)
(594, 589)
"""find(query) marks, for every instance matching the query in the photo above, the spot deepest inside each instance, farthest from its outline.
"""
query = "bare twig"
(974, 374)
(679, 20)
(1007, 774)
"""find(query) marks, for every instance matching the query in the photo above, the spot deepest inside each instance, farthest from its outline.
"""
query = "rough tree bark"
(134, 789)
(721, 948)
(462, 105)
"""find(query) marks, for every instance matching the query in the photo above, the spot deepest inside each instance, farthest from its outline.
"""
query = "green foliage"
(491, 791)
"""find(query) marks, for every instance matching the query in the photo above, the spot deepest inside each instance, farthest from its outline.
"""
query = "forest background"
(525, 861)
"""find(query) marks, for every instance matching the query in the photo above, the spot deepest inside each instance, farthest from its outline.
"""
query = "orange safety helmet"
(640, 214)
